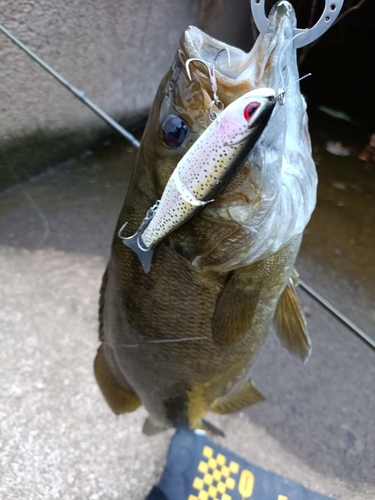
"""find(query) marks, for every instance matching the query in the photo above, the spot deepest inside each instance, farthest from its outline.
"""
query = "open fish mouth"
(270, 63)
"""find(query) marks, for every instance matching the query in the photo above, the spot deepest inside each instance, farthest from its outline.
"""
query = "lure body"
(207, 167)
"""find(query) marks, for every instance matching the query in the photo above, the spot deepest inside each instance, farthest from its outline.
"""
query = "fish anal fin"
(290, 324)
(242, 395)
(234, 311)
(120, 399)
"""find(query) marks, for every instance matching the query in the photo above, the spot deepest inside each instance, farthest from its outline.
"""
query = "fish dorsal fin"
(290, 324)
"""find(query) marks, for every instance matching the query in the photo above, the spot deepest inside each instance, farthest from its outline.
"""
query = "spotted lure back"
(206, 168)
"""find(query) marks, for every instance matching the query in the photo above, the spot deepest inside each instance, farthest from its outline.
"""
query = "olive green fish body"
(170, 355)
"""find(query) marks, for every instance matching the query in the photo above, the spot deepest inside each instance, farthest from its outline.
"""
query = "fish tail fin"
(144, 254)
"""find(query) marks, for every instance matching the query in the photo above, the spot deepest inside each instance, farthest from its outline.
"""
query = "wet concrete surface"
(58, 437)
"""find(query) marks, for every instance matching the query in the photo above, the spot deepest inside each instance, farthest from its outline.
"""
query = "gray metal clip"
(331, 11)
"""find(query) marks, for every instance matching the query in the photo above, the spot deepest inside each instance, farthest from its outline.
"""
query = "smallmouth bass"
(181, 339)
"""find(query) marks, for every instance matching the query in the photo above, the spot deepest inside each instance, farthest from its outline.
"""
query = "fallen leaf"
(338, 185)
(307, 311)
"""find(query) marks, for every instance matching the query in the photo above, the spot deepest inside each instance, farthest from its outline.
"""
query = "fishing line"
(23, 189)
(336, 312)
(299, 79)
(166, 341)
(280, 95)
(158, 341)
(79, 94)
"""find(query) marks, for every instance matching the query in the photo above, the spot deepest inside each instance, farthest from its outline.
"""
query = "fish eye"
(175, 131)
(250, 110)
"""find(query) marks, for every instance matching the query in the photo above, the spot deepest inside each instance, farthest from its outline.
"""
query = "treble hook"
(211, 73)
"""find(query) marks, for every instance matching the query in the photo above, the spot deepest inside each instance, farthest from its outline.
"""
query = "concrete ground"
(58, 437)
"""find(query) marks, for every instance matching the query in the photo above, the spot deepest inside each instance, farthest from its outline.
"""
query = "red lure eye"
(250, 110)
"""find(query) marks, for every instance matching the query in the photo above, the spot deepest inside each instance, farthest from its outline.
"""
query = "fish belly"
(159, 328)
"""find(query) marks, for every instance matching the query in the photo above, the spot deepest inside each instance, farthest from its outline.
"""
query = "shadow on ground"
(61, 441)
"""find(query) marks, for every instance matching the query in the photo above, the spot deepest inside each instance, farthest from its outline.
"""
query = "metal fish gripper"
(301, 37)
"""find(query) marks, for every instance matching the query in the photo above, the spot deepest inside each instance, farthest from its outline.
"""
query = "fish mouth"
(269, 64)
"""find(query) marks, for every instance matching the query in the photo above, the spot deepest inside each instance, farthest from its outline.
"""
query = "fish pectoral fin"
(120, 399)
(290, 324)
(242, 395)
(234, 311)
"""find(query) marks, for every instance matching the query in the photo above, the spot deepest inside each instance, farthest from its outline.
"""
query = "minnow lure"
(206, 168)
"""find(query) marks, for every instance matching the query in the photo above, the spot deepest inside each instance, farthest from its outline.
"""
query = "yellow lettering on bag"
(246, 484)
